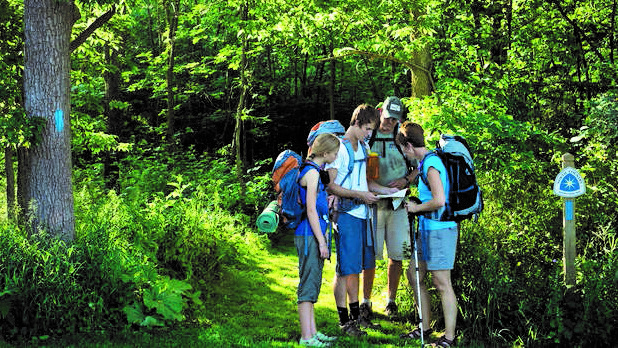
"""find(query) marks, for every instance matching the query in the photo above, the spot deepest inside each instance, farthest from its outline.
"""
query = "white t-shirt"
(357, 181)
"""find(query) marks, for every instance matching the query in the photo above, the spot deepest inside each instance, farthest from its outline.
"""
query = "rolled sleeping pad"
(268, 220)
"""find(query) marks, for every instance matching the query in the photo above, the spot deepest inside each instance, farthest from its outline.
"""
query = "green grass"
(255, 307)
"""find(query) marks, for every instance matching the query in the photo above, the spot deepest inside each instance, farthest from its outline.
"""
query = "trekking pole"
(329, 236)
(413, 235)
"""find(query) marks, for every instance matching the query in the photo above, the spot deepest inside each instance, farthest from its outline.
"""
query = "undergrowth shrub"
(508, 273)
(146, 256)
(149, 172)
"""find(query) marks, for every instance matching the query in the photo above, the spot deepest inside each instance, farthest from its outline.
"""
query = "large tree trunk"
(46, 184)
(421, 78)
(421, 82)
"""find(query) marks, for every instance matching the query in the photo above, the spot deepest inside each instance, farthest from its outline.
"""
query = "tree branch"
(99, 22)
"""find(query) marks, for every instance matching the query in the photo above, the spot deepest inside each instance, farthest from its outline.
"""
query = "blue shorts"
(354, 248)
(438, 248)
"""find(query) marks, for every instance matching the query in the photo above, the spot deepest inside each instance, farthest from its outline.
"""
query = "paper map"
(397, 197)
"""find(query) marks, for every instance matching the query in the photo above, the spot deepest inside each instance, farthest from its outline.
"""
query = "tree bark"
(46, 180)
(112, 91)
(10, 182)
(421, 82)
(99, 22)
(240, 109)
(171, 8)
(331, 85)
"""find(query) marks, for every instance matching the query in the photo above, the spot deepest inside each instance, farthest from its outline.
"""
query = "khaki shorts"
(393, 229)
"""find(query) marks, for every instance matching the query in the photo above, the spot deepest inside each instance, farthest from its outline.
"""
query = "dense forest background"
(178, 108)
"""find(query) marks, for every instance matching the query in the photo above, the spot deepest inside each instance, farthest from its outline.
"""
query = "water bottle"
(373, 166)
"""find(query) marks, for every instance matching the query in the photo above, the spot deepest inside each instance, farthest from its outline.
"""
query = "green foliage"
(513, 78)
(498, 141)
(142, 257)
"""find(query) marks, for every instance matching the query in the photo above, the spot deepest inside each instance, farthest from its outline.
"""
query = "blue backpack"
(285, 176)
(464, 200)
(331, 126)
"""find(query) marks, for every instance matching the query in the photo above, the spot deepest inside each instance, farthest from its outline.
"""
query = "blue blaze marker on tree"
(59, 120)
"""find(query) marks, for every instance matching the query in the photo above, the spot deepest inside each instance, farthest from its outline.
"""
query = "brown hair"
(325, 142)
(412, 133)
(364, 114)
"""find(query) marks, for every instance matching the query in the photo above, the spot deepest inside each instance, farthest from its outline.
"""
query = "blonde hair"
(325, 142)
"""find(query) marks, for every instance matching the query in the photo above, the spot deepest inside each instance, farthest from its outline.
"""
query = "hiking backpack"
(285, 176)
(464, 198)
(335, 127)
(331, 126)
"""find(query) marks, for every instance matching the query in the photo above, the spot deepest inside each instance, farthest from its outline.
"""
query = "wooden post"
(568, 223)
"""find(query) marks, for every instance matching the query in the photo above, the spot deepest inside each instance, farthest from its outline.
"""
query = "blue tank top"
(425, 195)
(304, 228)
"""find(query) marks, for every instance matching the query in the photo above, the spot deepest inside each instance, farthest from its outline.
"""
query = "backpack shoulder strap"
(352, 160)
(348, 146)
(372, 139)
(408, 162)
(421, 168)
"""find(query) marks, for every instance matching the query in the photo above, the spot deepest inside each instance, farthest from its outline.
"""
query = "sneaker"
(322, 337)
(391, 309)
(313, 342)
(351, 329)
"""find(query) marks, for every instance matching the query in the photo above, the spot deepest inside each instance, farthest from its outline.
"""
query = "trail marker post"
(568, 185)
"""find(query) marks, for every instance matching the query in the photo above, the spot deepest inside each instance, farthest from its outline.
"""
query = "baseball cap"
(392, 107)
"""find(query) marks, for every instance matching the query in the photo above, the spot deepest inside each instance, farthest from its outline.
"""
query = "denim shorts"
(354, 249)
(438, 248)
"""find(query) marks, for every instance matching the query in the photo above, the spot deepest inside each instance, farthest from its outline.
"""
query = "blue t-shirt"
(425, 194)
(304, 228)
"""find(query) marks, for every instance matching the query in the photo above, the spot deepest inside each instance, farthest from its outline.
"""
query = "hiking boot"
(391, 310)
(366, 323)
(351, 329)
(365, 310)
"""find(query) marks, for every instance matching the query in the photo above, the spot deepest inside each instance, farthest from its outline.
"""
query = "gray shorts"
(310, 268)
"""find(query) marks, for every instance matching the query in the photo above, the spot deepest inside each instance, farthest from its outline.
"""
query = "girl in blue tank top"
(309, 239)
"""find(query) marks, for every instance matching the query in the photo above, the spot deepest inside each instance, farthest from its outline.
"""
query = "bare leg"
(394, 275)
(442, 282)
(424, 295)
(352, 283)
(368, 277)
(307, 320)
(340, 290)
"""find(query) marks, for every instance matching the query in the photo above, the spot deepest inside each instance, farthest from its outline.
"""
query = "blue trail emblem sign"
(569, 183)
